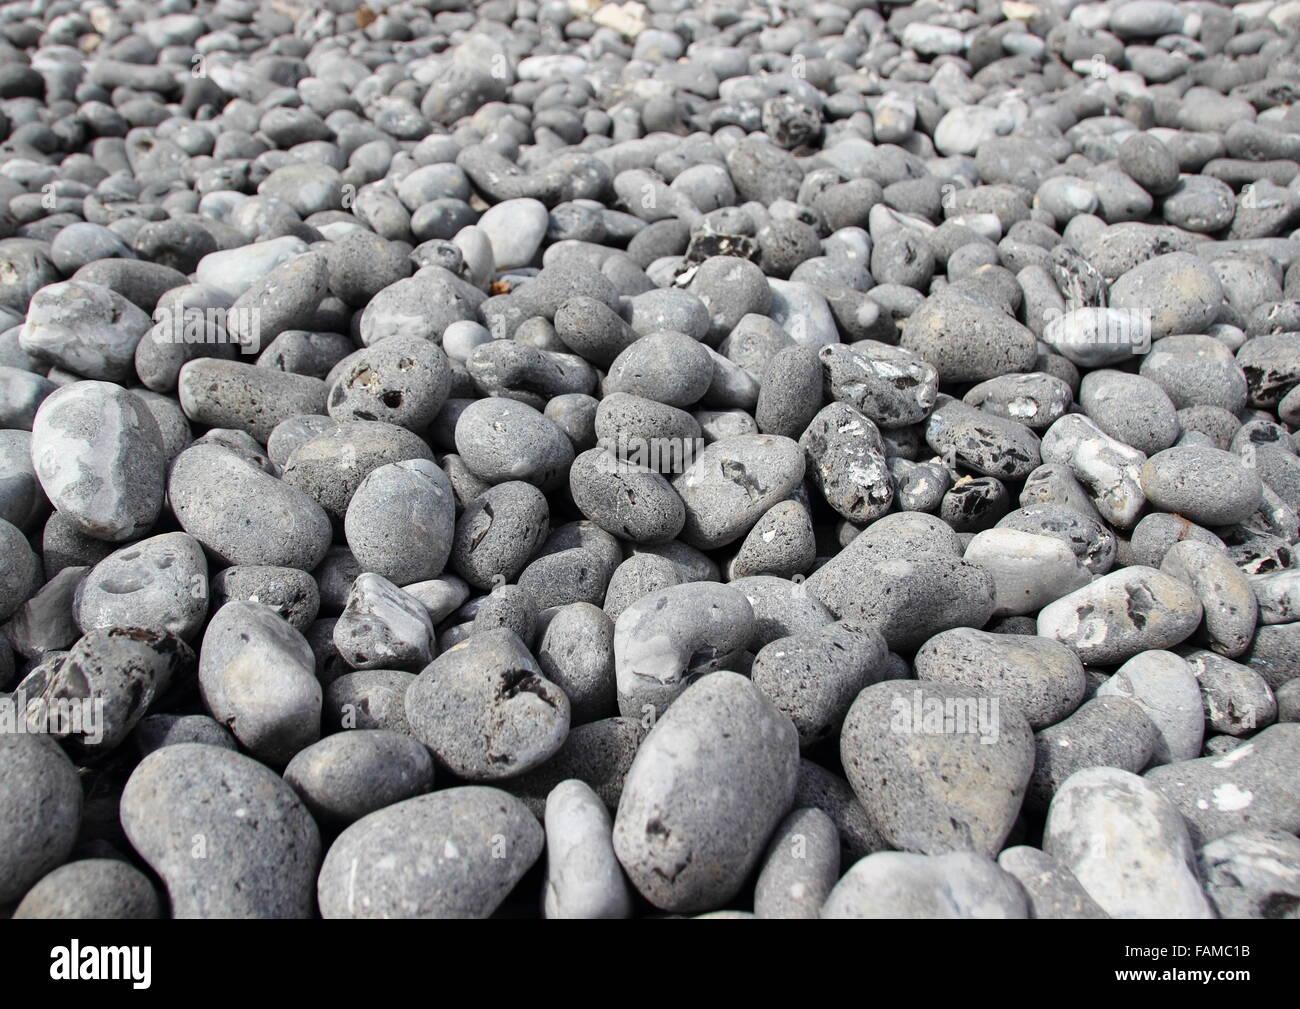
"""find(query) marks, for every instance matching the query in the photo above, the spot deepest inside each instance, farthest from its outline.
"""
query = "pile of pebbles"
(830, 458)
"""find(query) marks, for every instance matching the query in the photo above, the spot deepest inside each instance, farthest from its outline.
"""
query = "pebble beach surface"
(829, 458)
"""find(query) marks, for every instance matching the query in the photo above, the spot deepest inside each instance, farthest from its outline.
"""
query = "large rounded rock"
(228, 837)
(705, 791)
(99, 455)
(40, 810)
(453, 854)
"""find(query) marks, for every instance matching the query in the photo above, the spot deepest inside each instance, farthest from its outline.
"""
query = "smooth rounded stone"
(1236, 699)
(1106, 468)
(1224, 592)
(84, 328)
(160, 583)
(368, 699)
(498, 533)
(639, 575)
(801, 867)
(592, 329)
(1163, 685)
(1132, 610)
(1130, 408)
(401, 521)
(1158, 531)
(1252, 874)
(894, 735)
(21, 394)
(804, 314)
(893, 387)
(485, 710)
(1177, 293)
(402, 380)
(91, 888)
(361, 264)
(23, 503)
(1250, 788)
(1126, 844)
(575, 651)
(845, 460)
(781, 544)
(505, 440)
(98, 454)
(1275, 653)
(421, 307)
(1034, 399)
(1277, 594)
(646, 433)
(989, 444)
(1200, 204)
(454, 854)
(686, 840)
(904, 575)
(1207, 485)
(732, 483)
(242, 514)
(330, 464)
(21, 575)
(1053, 891)
(1042, 679)
(260, 847)
(814, 675)
(1094, 337)
(790, 392)
(575, 414)
(1029, 570)
(668, 639)
(246, 397)
(666, 367)
(344, 777)
(156, 731)
(1196, 370)
(515, 229)
(291, 593)
(967, 340)
(1149, 163)
(565, 574)
(382, 627)
(731, 289)
(583, 877)
(625, 499)
(668, 310)
(821, 789)
(510, 606)
(1106, 731)
(257, 675)
(1288, 701)
(897, 884)
(236, 270)
(781, 607)
(41, 803)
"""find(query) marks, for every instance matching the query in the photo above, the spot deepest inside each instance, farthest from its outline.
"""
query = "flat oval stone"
(801, 867)
(897, 884)
(1120, 614)
(1226, 598)
(343, 777)
(228, 836)
(401, 521)
(706, 789)
(583, 877)
(1126, 844)
(246, 397)
(1162, 684)
(1042, 678)
(160, 582)
(1106, 731)
(243, 514)
(1028, 570)
(99, 456)
(41, 803)
(1204, 484)
(87, 329)
(454, 854)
